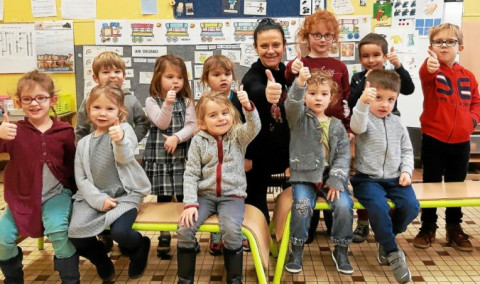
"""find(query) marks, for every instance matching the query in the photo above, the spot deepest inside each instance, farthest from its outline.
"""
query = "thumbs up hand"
(243, 98)
(115, 131)
(432, 62)
(297, 63)
(303, 76)
(171, 143)
(8, 131)
(369, 94)
(171, 96)
(273, 89)
(393, 58)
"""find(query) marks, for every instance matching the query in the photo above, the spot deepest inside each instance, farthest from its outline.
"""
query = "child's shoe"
(399, 267)
(340, 257)
(294, 263)
(245, 244)
(361, 232)
(457, 238)
(163, 247)
(216, 245)
(425, 237)
(381, 255)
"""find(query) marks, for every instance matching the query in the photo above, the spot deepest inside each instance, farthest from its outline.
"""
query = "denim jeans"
(230, 212)
(373, 195)
(304, 199)
(55, 216)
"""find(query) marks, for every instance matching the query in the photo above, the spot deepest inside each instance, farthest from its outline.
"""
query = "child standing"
(319, 161)
(111, 185)
(320, 31)
(451, 111)
(372, 52)
(170, 108)
(384, 163)
(215, 181)
(38, 180)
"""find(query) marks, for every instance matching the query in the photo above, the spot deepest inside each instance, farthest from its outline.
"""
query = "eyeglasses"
(38, 99)
(448, 42)
(270, 21)
(318, 36)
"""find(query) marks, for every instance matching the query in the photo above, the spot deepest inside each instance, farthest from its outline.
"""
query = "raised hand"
(273, 89)
(243, 98)
(432, 62)
(346, 108)
(369, 94)
(115, 131)
(393, 58)
(171, 143)
(8, 131)
(303, 76)
(171, 96)
(297, 63)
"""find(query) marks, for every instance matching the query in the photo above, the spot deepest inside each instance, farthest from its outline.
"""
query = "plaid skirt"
(166, 179)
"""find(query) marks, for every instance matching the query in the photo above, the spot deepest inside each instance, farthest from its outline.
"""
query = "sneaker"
(424, 238)
(294, 263)
(361, 233)
(245, 244)
(399, 267)
(457, 238)
(107, 241)
(381, 255)
(163, 247)
(216, 245)
(340, 257)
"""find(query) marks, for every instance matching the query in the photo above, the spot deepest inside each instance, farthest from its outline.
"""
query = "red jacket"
(23, 175)
(451, 104)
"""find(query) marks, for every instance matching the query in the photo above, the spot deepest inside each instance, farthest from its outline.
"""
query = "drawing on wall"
(405, 8)
(347, 51)
(243, 30)
(255, 7)
(353, 28)
(230, 6)
(54, 46)
(341, 7)
(110, 32)
(382, 14)
(142, 32)
(209, 30)
(189, 9)
(175, 31)
(17, 42)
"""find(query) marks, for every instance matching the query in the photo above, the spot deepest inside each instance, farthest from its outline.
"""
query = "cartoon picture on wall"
(230, 6)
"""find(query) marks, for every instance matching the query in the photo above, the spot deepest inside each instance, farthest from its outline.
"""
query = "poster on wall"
(54, 46)
(17, 52)
(255, 7)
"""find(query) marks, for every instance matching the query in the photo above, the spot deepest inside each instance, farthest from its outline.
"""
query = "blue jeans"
(55, 216)
(304, 199)
(230, 212)
(373, 194)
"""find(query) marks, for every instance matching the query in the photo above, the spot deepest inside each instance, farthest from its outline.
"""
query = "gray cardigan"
(383, 148)
(307, 158)
(201, 173)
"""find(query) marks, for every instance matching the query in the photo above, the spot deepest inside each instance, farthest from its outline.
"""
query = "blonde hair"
(113, 92)
(320, 16)
(447, 27)
(320, 77)
(216, 61)
(221, 99)
(107, 59)
(33, 78)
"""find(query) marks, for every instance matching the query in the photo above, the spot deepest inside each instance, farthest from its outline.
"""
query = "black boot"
(233, 264)
(138, 259)
(68, 269)
(186, 258)
(99, 257)
(12, 269)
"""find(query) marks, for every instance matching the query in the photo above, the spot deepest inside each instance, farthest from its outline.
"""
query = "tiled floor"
(438, 264)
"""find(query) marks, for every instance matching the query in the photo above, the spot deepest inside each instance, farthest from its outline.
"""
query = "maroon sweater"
(29, 151)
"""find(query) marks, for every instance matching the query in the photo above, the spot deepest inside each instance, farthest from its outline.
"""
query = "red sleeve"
(289, 76)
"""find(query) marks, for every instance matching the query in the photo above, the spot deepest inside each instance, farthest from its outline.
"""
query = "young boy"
(373, 55)
(451, 111)
(109, 67)
(384, 163)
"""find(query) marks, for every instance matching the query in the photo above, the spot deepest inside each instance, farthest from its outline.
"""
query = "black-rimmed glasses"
(448, 42)
(319, 36)
(38, 99)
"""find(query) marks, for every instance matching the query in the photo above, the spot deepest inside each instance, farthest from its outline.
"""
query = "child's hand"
(188, 217)
(171, 96)
(432, 62)
(303, 76)
(297, 63)
(273, 89)
(8, 131)
(109, 203)
(248, 165)
(171, 143)
(369, 94)
(393, 58)
(332, 194)
(405, 179)
(115, 131)
(243, 98)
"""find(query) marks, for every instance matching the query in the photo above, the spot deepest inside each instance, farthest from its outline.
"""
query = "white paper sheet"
(44, 8)
(74, 9)
(17, 48)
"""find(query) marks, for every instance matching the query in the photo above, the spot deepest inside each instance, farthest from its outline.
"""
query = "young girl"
(319, 161)
(172, 112)
(319, 32)
(215, 180)
(111, 185)
(38, 180)
(218, 74)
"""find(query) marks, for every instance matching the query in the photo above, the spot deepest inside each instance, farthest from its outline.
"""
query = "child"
(172, 112)
(111, 185)
(38, 180)
(320, 31)
(218, 73)
(451, 111)
(215, 180)
(372, 52)
(384, 163)
(319, 161)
